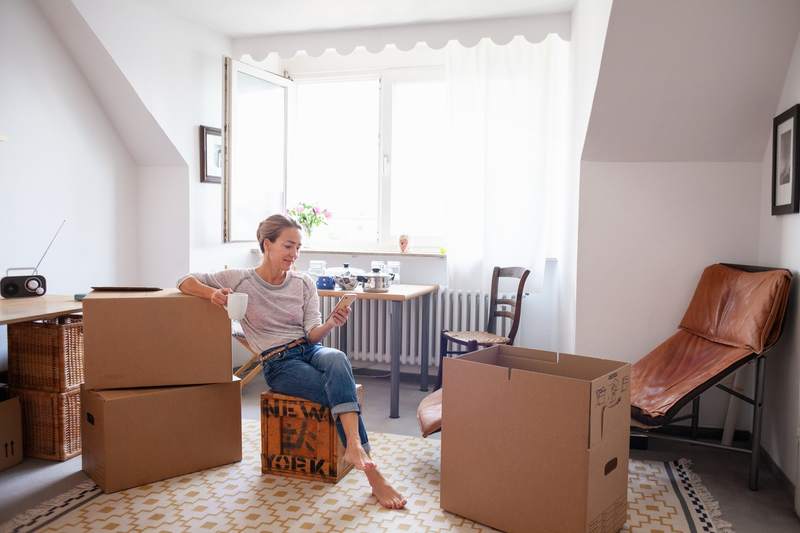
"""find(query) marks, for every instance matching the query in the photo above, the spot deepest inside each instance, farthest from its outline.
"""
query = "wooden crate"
(46, 354)
(299, 439)
(51, 423)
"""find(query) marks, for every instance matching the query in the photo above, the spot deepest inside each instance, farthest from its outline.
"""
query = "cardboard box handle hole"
(611, 466)
(90, 418)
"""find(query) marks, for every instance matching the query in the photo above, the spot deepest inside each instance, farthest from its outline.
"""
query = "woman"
(283, 322)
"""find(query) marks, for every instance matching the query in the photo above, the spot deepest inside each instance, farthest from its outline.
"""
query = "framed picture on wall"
(785, 128)
(211, 154)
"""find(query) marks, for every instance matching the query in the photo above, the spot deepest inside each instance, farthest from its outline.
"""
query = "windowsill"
(366, 252)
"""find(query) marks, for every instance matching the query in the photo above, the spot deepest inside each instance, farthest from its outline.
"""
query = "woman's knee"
(333, 358)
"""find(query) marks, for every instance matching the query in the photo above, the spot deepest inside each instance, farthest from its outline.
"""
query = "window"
(367, 147)
(416, 181)
(255, 173)
(334, 157)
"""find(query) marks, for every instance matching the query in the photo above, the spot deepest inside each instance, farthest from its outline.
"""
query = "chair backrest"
(515, 304)
(739, 305)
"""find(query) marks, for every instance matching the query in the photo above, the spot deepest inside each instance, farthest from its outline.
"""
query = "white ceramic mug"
(237, 305)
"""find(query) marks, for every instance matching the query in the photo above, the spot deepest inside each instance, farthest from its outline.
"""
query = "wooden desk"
(395, 297)
(36, 307)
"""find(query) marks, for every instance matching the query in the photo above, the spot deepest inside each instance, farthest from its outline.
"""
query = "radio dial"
(33, 285)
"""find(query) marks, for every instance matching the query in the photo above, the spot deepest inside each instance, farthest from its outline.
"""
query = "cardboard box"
(532, 441)
(10, 433)
(137, 436)
(146, 339)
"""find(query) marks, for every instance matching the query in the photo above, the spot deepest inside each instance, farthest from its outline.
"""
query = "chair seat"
(481, 337)
(429, 413)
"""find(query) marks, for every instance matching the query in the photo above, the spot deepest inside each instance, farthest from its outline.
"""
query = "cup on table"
(237, 305)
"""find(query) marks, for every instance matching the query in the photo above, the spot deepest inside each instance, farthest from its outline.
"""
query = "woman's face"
(284, 251)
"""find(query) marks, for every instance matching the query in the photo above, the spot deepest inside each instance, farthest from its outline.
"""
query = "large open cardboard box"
(534, 441)
(146, 339)
(10, 433)
(137, 436)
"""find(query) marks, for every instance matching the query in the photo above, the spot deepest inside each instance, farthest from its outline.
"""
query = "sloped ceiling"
(140, 132)
(690, 81)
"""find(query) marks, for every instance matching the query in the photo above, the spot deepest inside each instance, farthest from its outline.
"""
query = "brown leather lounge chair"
(735, 316)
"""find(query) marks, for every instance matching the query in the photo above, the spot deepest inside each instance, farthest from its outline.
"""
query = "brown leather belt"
(282, 348)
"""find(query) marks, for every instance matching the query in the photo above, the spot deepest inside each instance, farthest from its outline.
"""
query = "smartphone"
(345, 301)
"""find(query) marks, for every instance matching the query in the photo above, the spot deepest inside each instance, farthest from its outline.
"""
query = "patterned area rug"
(663, 497)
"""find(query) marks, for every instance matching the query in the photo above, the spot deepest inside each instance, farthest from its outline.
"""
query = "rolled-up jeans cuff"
(367, 447)
(347, 407)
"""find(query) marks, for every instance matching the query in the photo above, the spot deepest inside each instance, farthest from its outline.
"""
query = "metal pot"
(346, 278)
(376, 281)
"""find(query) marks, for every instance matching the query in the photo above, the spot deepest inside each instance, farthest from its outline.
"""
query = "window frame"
(232, 67)
(385, 78)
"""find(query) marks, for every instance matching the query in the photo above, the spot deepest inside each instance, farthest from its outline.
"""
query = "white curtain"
(508, 153)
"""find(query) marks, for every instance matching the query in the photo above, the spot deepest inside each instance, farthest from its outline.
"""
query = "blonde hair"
(272, 226)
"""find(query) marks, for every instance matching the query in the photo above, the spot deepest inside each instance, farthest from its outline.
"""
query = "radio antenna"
(36, 268)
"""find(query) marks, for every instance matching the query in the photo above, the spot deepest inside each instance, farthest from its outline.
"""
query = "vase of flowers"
(309, 216)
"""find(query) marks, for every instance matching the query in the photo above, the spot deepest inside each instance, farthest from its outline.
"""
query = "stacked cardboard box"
(159, 399)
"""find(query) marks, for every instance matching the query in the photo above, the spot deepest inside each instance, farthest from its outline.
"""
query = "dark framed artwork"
(211, 154)
(785, 128)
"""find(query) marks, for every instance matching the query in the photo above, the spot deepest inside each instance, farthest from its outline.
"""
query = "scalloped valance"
(435, 35)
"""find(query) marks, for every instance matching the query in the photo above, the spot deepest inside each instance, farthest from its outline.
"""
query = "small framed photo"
(785, 129)
(211, 154)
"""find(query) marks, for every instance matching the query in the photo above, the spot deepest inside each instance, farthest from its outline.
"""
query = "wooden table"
(14, 310)
(395, 297)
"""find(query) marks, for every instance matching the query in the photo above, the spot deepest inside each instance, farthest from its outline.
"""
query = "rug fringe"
(29, 520)
(711, 504)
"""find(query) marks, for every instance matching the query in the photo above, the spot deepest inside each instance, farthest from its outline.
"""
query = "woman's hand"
(220, 296)
(339, 318)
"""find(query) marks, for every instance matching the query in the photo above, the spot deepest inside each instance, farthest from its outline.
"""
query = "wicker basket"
(51, 423)
(46, 354)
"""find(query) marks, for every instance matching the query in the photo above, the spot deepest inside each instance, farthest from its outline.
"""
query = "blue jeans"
(319, 374)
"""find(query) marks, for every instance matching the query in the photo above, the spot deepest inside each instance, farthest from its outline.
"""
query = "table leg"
(396, 329)
(426, 317)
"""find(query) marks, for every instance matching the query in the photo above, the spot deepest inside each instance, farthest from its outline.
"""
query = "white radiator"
(368, 327)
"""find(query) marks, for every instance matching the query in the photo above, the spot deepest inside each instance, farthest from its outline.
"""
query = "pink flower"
(327, 213)
(316, 210)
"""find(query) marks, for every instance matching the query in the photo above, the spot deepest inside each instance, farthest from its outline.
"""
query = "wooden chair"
(472, 340)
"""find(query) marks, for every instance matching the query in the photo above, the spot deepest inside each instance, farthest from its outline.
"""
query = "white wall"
(63, 159)
(646, 232)
(779, 236)
(176, 68)
(588, 28)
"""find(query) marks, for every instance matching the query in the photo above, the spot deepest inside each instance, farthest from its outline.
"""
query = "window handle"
(387, 166)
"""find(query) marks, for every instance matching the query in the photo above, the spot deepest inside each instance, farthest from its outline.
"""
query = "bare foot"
(383, 492)
(357, 456)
